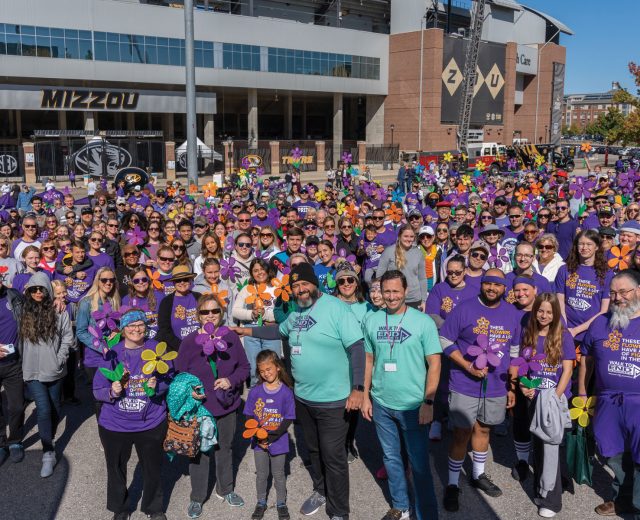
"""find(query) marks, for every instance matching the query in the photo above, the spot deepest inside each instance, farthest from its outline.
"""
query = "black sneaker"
(520, 471)
(259, 511)
(484, 483)
(283, 512)
(451, 502)
(121, 516)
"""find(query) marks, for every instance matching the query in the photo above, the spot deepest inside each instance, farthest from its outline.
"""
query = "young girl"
(69, 381)
(271, 403)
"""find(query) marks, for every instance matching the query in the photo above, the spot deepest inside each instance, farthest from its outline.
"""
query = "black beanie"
(303, 272)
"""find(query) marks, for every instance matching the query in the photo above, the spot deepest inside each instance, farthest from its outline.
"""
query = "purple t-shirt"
(462, 327)
(76, 288)
(303, 207)
(372, 257)
(565, 232)
(101, 260)
(474, 282)
(541, 283)
(583, 293)
(551, 374)
(616, 355)
(270, 408)
(443, 298)
(150, 313)
(387, 238)
(184, 319)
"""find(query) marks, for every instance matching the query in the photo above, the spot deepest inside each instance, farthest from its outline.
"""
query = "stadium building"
(97, 84)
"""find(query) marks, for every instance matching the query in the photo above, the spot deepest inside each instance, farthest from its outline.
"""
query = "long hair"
(553, 341)
(266, 266)
(93, 295)
(150, 294)
(359, 294)
(600, 260)
(204, 252)
(266, 356)
(39, 321)
(401, 255)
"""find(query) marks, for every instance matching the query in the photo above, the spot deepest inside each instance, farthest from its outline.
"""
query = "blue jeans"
(253, 347)
(390, 425)
(47, 397)
(626, 483)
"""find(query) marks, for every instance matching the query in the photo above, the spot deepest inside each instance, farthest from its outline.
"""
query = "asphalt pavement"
(77, 489)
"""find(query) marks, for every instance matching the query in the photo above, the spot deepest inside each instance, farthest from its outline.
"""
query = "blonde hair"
(93, 295)
(401, 255)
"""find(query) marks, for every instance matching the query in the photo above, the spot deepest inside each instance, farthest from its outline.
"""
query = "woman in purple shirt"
(95, 253)
(223, 374)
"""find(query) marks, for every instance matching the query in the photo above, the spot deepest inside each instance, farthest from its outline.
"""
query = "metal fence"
(11, 164)
(382, 154)
(206, 159)
(241, 149)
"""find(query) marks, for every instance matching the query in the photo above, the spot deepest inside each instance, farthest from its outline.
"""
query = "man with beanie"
(327, 360)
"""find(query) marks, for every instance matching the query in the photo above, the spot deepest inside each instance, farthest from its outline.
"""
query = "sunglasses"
(140, 280)
(515, 216)
(481, 256)
(493, 233)
(378, 218)
(29, 226)
(415, 217)
(50, 248)
(131, 253)
(200, 226)
(95, 240)
(266, 235)
(244, 220)
(208, 312)
(546, 215)
(346, 227)
(107, 280)
(486, 218)
(562, 207)
(346, 280)
(442, 230)
(114, 225)
(165, 259)
(454, 273)
(330, 226)
(546, 247)
(34, 290)
(244, 244)
(177, 247)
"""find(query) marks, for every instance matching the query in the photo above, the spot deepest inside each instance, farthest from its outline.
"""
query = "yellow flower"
(341, 207)
(539, 160)
(481, 166)
(321, 195)
(156, 360)
(466, 180)
(583, 409)
(448, 157)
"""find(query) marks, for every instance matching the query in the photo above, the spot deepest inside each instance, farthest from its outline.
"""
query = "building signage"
(304, 159)
(99, 156)
(34, 97)
(8, 164)
(527, 60)
(475, 136)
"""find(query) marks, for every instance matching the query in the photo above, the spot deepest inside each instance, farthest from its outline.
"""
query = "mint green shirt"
(318, 338)
(413, 336)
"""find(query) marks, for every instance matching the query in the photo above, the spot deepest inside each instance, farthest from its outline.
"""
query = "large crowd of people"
(450, 304)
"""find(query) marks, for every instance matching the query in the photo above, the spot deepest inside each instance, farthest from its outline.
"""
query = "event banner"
(557, 95)
(488, 100)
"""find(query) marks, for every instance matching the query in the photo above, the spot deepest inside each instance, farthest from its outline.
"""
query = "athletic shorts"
(464, 411)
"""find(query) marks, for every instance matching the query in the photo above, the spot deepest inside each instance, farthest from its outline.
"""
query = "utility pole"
(190, 86)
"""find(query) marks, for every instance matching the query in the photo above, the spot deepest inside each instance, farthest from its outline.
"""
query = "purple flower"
(97, 341)
(343, 255)
(347, 158)
(136, 236)
(499, 257)
(245, 163)
(512, 163)
(106, 317)
(259, 171)
(296, 153)
(531, 203)
(211, 340)
(527, 362)
(581, 188)
(229, 243)
(228, 269)
(484, 353)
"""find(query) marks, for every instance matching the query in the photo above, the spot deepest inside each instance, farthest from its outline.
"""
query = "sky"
(603, 42)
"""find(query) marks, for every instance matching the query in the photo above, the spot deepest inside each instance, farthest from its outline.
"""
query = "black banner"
(557, 95)
(10, 163)
(488, 100)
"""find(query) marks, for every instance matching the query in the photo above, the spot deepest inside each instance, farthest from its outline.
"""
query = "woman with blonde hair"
(547, 343)
(547, 260)
(407, 258)
(103, 290)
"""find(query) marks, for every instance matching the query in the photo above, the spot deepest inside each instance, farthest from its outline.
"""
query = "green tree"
(630, 129)
(610, 125)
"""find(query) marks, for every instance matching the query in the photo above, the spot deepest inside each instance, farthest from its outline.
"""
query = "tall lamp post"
(392, 127)
(190, 87)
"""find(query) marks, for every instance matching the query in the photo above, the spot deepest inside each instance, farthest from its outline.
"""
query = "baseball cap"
(160, 193)
(426, 230)
(137, 187)
(607, 231)
(606, 210)
(121, 200)
(480, 244)
(262, 205)
(500, 200)
(86, 211)
(312, 240)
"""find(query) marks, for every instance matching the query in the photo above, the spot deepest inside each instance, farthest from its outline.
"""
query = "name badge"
(296, 351)
(390, 366)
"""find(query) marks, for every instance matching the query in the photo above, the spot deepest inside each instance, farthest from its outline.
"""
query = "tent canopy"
(201, 149)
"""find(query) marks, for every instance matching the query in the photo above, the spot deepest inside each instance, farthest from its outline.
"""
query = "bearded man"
(327, 361)
(611, 347)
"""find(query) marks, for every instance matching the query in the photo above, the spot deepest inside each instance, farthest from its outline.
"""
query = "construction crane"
(470, 74)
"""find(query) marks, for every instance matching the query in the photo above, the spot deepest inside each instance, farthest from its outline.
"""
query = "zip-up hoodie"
(46, 361)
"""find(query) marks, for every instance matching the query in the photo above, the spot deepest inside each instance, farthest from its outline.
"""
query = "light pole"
(392, 127)
(228, 158)
(190, 87)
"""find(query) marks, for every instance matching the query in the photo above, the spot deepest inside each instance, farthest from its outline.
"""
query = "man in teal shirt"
(398, 340)
(327, 362)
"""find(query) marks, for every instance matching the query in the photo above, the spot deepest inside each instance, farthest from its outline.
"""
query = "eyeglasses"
(562, 208)
(34, 290)
(546, 247)
(136, 281)
(614, 294)
(95, 239)
(165, 259)
(114, 225)
(346, 280)
(522, 255)
(29, 226)
(177, 247)
(208, 312)
(515, 216)
(49, 248)
(138, 326)
(454, 273)
(481, 256)
(107, 280)
(244, 244)
(442, 230)
(346, 227)
(266, 235)
(330, 226)
(244, 220)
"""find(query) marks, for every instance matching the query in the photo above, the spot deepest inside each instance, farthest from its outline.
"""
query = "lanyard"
(386, 322)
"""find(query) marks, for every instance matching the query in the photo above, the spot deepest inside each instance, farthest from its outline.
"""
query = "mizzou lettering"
(62, 99)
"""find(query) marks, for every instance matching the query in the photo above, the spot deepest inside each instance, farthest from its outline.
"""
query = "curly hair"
(39, 322)
(600, 260)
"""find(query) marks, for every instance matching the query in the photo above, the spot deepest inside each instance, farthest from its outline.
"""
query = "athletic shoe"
(16, 453)
(48, 463)
(312, 504)
(194, 510)
(520, 471)
(283, 512)
(382, 474)
(233, 499)
(259, 511)
(396, 514)
(351, 458)
(484, 483)
(4, 455)
(435, 432)
(121, 516)
(451, 502)
(546, 513)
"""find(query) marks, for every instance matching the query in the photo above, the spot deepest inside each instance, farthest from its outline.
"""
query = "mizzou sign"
(72, 99)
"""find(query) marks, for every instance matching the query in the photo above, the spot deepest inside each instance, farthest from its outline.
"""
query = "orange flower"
(155, 279)
(522, 193)
(394, 213)
(171, 191)
(536, 188)
(352, 211)
(253, 428)
(210, 189)
(258, 294)
(621, 257)
(222, 295)
(193, 188)
(282, 288)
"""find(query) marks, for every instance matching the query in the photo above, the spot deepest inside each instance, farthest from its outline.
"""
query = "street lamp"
(228, 158)
(392, 127)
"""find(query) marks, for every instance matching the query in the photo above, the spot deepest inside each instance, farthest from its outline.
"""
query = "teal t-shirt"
(318, 338)
(359, 309)
(399, 377)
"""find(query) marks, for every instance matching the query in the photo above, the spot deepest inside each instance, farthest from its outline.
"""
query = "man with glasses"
(304, 204)
(29, 237)
(524, 256)
(565, 228)
(464, 239)
(514, 232)
(500, 206)
(310, 228)
(386, 236)
(607, 217)
(86, 219)
(138, 200)
(261, 217)
(629, 234)
(160, 204)
(592, 222)
(414, 217)
(610, 349)
(243, 221)
(443, 209)
(477, 263)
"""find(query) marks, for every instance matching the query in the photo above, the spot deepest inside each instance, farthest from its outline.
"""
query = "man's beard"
(621, 316)
(307, 302)
(489, 301)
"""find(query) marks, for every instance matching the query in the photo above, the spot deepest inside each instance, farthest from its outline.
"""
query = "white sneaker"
(435, 432)
(546, 513)
(48, 463)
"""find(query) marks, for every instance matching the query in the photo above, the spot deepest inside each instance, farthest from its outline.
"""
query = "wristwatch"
(428, 402)
(359, 388)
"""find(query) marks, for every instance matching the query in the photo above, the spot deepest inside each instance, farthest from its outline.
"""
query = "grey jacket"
(550, 420)
(414, 271)
(46, 361)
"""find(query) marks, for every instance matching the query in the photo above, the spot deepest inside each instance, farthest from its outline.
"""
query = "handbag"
(183, 437)
(578, 461)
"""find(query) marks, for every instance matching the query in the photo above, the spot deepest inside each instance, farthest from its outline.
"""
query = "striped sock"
(522, 450)
(479, 458)
(454, 471)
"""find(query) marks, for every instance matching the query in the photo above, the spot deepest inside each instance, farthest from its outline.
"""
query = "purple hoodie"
(133, 411)
(232, 364)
